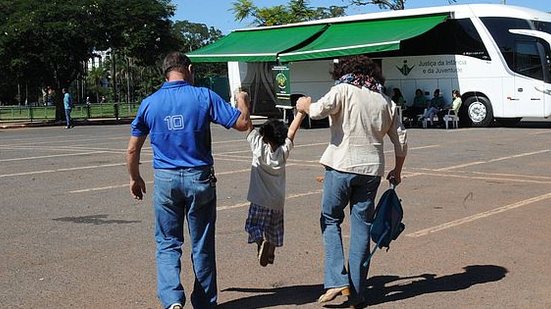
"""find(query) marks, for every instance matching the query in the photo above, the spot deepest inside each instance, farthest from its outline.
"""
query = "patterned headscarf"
(360, 80)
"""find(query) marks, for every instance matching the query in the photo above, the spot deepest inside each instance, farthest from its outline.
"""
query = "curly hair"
(358, 64)
(274, 131)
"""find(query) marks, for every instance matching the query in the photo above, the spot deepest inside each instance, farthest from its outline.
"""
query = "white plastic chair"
(425, 121)
(284, 109)
(451, 117)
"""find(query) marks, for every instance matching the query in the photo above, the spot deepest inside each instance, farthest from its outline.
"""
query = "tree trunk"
(114, 76)
(127, 80)
(58, 99)
(18, 94)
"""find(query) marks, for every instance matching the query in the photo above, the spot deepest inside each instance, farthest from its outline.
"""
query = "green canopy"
(360, 37)
(255, 45)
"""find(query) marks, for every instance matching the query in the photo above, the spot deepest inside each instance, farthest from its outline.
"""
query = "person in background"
(456, 103)
(361, 116)
(68, 105)
(437, 104)
(417, 107)
(270, 147)
(398, 98)
(177, 118)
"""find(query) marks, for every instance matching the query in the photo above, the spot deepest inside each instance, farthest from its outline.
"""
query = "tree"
(46, 42)
(193, 36)
(294, 11)
(94, 78)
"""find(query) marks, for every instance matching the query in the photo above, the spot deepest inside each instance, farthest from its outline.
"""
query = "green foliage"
(94, 79)
(294, 11)
(48, 42)
(193, 36)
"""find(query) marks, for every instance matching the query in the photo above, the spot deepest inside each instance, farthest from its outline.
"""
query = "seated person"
(418, 106)
(437, 104)
(456, 104)
(398, 98)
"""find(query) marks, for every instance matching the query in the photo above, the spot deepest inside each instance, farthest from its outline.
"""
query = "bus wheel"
(479, 111)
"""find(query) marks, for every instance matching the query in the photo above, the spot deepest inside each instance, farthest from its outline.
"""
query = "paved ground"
(476, 212)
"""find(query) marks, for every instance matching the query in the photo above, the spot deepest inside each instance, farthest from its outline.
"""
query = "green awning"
(255, 45)
(361, 37)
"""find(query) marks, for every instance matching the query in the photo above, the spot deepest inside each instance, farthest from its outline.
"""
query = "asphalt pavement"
(476, 205)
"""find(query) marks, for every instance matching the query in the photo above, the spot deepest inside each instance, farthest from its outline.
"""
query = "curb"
(51, 123)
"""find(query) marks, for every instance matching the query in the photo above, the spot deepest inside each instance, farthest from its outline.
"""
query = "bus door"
(532, 61)
(527, 62)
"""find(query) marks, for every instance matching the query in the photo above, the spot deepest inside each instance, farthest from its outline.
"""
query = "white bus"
(497, 56)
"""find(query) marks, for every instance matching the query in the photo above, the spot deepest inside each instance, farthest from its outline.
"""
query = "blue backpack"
(387, 225)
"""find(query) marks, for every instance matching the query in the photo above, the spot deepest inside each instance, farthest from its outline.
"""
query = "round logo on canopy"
(281, 80)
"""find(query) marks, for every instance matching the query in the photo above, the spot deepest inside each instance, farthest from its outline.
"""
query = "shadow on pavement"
(94, 219)
(379, 291)
(290, 295)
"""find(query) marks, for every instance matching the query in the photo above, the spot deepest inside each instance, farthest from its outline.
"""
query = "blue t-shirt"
(67, 101)
(178, 118)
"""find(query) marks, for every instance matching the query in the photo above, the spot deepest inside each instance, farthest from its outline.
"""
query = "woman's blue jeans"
(188, 193)
(339, 190)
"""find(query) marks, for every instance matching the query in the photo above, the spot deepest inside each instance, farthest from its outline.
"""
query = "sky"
(216, 13)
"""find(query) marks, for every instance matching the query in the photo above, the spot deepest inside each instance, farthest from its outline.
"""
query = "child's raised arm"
(295, 125)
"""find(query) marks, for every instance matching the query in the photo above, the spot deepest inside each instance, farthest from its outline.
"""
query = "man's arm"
(137, 185)
(398, 137)
(243, 123)
(295, 125)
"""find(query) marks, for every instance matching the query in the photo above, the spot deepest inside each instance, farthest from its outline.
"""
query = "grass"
(39, 113)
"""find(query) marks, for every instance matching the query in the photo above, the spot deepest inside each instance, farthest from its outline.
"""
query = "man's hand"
(394, 177)
(137, 188)
(303, 104)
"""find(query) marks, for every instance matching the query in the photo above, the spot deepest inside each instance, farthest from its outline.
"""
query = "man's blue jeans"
(188, 193)
(339, 190)
(68, 117)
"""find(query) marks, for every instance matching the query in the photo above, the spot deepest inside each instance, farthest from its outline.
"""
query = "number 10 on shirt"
(174, 122)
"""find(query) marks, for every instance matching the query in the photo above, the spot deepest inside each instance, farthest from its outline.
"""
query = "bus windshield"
(542, 26)
(545, 27)
(525, 54)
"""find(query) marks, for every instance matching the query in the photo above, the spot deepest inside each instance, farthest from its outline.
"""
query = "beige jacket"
(360, 118)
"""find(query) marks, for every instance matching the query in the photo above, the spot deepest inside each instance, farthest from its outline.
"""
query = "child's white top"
(267, 183)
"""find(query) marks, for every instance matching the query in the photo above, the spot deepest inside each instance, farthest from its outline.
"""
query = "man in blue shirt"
(177, 118)
(68, 105)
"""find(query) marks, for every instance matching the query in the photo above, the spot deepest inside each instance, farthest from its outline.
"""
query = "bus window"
(452, 37)
(527, 60)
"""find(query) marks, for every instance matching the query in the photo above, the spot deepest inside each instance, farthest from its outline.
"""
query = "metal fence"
(92, 111)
